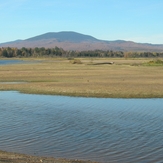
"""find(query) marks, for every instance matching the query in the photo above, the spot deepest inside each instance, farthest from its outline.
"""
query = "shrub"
(76, 61)
(155, 62)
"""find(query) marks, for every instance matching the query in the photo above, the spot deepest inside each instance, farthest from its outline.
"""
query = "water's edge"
(20, 158)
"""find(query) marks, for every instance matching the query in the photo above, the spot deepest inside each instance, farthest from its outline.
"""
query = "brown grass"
(60, 77)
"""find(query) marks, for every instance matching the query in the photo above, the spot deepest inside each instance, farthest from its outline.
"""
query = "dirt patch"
(8, 157)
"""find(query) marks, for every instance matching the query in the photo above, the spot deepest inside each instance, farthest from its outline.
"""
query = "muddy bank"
(8, 157)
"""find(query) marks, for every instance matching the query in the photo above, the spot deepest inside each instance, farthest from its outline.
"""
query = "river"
(98, 129)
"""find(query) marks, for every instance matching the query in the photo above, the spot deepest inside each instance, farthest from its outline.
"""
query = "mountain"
(63, 36)
(77, 41)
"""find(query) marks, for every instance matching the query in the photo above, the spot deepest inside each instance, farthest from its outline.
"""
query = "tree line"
(59, 52)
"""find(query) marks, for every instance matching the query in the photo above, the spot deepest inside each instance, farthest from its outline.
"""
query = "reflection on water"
(104, 130)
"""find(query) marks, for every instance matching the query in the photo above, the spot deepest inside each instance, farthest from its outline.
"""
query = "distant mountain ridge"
(69, 40)
(63, 36)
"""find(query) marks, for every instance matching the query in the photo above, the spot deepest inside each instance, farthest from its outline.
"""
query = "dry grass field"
(126, 78)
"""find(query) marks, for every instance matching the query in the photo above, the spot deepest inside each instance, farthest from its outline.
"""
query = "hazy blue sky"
(135, 20)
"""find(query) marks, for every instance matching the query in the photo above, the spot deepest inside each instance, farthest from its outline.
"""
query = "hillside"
(80, 42)
(64, 36)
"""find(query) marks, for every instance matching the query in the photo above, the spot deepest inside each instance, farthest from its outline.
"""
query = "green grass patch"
(157, 62)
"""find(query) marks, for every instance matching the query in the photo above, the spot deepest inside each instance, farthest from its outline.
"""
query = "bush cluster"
(59, 52)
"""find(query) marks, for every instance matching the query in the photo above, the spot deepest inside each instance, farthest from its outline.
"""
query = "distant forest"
(59, 52)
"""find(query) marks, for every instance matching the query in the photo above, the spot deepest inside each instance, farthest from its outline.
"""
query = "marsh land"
(88, 77)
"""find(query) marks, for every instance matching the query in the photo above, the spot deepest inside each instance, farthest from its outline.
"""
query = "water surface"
(99, 129)
(11, 61)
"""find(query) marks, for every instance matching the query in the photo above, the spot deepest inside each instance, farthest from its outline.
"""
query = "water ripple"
(104, 130)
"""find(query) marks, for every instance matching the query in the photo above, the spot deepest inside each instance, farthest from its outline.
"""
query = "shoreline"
(12, 157)
(147, 96)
